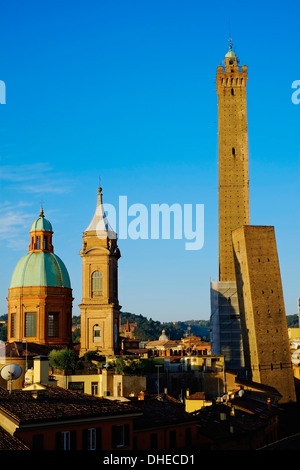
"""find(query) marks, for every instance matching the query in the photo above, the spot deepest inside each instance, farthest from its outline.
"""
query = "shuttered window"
(30, 324)
(120, 435)
(97, 283)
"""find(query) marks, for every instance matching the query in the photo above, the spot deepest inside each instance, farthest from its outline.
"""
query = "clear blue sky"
(126, 90)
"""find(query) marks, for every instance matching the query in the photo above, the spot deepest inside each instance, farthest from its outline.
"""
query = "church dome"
(163, 336)
(40, 268)
(41, 224)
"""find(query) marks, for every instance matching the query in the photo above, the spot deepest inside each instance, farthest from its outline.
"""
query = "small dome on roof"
(163, 336)
(230, 54)
(41, 223)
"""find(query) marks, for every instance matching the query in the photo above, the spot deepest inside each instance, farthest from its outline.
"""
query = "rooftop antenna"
(230, 46)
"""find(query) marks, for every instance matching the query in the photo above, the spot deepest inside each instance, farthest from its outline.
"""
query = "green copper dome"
(41, 223)
(230, 54)
(40, 268)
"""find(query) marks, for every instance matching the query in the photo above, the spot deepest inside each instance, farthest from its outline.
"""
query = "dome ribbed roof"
(40, 268)
(41, 224)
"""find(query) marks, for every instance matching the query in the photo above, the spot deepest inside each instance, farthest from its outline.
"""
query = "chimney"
(41, 369)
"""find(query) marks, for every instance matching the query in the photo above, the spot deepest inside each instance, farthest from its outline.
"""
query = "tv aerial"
(10, 372)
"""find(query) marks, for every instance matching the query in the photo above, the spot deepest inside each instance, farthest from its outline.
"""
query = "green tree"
(3, 332)
(128, 366)
(64, 359)
(54, 361)
(93, 356)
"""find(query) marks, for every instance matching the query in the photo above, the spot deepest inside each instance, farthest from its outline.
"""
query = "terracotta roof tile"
(55, 403)
(160, 412)
(197, 396)
(8, 442)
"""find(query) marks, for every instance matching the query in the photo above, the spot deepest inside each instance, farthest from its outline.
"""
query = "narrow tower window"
(232, 91)
(96, 283)
(45, 242)
(53, 324)
(96, 334)
(233, 151)
(30, 324)
(13, 325)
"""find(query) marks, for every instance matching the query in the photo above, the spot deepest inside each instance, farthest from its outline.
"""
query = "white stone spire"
(100, 222)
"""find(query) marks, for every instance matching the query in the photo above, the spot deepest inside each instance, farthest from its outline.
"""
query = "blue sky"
(126, 90)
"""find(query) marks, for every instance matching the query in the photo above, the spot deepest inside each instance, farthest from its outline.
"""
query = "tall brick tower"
(263, 320)
(100, 305)
(233, 205)
(233, 158)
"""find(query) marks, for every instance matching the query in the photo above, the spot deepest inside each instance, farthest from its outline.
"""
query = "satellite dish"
(10, 372)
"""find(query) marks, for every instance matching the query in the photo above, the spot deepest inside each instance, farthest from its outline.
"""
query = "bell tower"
(233, 158)
(231, 84)
(100, 305)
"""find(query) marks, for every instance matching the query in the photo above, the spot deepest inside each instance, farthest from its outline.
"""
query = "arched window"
(96, 283)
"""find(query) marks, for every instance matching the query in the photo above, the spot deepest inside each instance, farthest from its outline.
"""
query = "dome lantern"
(41, 234)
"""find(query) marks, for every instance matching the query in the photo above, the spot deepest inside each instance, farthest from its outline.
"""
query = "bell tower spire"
(100, 305)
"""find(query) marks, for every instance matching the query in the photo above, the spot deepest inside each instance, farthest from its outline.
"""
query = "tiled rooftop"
(18, 349)
(55, 403)
(160, 412)
(197, 396)
(211, 422)
(8, 442)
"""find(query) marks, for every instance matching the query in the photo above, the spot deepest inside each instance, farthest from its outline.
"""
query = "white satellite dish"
(11, 372)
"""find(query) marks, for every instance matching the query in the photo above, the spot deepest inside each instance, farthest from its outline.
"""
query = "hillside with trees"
(150, 330)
